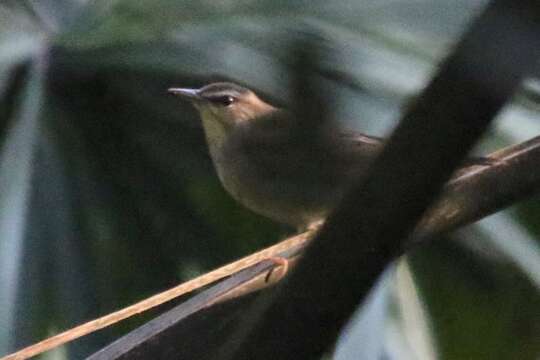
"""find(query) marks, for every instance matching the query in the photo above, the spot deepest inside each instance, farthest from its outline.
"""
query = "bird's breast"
(257, 179)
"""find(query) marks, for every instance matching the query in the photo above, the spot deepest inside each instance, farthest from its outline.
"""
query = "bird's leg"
(280, 263)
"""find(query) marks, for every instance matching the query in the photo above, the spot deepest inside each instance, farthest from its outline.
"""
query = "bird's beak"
(188, 94)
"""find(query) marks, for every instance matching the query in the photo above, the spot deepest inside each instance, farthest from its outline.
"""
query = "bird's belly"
(283, 200)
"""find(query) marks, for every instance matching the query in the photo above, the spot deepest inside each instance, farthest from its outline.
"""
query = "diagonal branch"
(483, 191)
(475, 194)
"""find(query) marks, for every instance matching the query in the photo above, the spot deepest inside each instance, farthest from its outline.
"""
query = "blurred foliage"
(107, 193)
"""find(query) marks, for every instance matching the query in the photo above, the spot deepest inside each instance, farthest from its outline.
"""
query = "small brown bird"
(265, 165)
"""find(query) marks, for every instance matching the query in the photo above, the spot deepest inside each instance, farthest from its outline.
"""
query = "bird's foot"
(281, 264)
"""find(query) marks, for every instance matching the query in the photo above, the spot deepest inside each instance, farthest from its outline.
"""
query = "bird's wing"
(272, 148)
(363, 147)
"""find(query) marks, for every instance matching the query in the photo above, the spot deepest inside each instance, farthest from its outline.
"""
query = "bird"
(269, 165)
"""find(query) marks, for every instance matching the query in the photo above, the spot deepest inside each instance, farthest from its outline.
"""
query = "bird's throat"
(216, 132)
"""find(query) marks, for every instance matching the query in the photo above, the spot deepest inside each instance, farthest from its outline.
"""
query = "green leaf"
(16, 158)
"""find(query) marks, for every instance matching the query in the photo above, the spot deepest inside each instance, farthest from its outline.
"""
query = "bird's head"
(225, 103)
(223, 107)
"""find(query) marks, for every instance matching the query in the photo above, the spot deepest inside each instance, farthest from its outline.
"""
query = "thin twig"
(436, 221)
(470, 192)
(157, 299)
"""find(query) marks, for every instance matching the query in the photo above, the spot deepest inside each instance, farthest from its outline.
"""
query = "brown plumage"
(265, 165)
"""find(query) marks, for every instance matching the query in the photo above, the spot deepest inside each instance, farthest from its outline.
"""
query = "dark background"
(108, 195)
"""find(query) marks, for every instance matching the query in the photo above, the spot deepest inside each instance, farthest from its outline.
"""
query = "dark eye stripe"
(221, 100)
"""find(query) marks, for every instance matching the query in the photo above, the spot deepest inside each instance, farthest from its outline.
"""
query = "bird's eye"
(224, 100)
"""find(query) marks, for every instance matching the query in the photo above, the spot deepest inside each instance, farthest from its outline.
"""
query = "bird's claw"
(280, 263)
